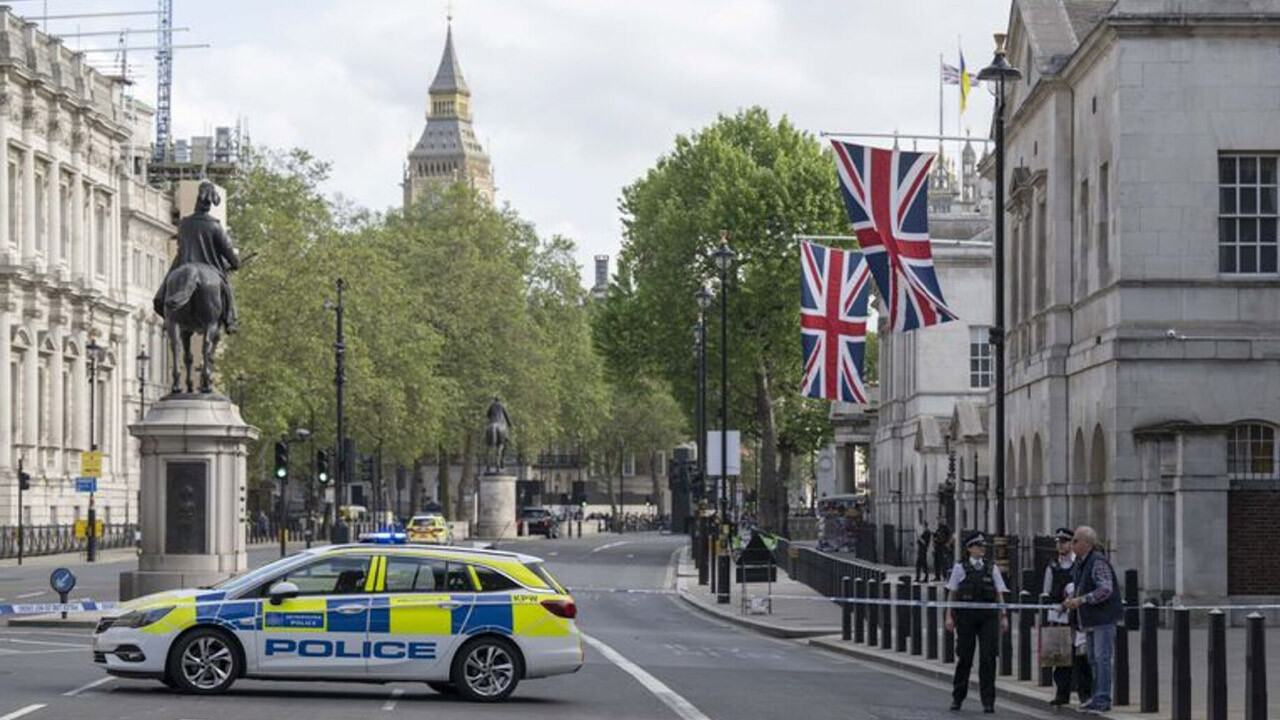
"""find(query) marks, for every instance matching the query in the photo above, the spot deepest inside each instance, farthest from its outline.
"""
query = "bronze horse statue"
(497, 432)
(196, 295)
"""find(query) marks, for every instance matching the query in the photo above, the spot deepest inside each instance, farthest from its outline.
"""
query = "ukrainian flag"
(966, 84)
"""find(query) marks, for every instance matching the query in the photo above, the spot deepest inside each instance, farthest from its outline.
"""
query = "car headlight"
(142, 618)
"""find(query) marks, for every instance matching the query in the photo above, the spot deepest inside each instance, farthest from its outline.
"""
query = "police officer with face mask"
(976, 580)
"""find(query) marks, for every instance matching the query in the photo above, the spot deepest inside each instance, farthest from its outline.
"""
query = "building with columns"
(1143, 300)
(448, 150)
(84, 242)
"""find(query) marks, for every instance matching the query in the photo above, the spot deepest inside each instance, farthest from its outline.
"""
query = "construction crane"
(164, 78)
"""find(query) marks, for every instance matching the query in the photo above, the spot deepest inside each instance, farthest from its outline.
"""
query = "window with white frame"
(1251, 450)
(1246, 214)
(979, 357)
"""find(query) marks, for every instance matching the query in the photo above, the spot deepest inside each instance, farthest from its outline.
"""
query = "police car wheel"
(486, 669)
(443, 688)
(204, 662)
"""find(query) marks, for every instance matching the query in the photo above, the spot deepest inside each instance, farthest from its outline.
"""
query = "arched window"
(1251, 450)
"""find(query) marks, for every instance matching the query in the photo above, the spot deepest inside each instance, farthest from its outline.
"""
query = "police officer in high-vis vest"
(976, 580)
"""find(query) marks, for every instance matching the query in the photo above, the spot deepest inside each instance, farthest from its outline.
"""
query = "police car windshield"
(240, 582)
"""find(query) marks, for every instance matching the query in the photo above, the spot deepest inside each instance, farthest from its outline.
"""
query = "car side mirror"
(282, 591)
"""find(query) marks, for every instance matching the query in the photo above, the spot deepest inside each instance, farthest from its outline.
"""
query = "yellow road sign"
(91, 463)
(82, 527)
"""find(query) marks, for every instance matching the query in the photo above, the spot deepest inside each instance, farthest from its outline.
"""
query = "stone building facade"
(448, 150)
(83, 243)
(1144, 300)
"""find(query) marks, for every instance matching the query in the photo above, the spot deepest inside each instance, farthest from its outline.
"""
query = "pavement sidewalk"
(803, 613)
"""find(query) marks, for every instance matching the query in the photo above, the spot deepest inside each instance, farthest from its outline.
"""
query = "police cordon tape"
(48, 608)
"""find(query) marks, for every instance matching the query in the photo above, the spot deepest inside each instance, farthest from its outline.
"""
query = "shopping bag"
(1056, 645)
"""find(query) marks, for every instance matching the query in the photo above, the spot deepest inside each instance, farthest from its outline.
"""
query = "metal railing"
(818, 570)
(55, 539)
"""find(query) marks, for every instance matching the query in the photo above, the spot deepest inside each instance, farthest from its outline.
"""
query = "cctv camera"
(1171, 334)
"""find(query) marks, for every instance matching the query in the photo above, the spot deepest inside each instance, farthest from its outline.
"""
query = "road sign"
(82, 528)
(62, 581)
(87, 484)
(713, 453)
(91, 463)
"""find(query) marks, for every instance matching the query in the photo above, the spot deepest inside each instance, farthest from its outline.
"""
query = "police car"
(466, 621)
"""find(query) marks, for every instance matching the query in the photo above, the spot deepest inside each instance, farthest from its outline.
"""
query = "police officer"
(1058, 585)
(976, 580)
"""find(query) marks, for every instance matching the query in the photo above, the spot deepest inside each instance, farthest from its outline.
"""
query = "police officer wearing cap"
(1059, 585)
(976, 580)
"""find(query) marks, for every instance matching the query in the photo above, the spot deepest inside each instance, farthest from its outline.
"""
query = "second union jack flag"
(887, 195)
(835, 288)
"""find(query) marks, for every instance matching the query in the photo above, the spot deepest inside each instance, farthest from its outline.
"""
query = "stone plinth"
(497, 511)
(192, 494)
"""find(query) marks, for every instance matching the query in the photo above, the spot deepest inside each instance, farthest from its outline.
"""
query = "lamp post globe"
(999, 72)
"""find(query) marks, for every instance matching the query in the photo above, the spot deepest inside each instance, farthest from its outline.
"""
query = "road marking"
(669, 697)
(606, 546)
(46, 642)
(390, 704)
(28, 595)
(83, 688)
(19, 713)
(552, 554)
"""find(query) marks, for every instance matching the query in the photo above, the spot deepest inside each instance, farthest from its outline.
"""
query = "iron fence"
(54, 539)
(818, 570)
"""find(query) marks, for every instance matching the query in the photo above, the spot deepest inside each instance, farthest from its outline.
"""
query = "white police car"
(465, 621)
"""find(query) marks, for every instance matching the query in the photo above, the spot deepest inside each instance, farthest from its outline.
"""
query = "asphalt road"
(653, 657)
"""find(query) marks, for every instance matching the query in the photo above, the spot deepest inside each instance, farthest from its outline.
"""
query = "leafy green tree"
(765, 183)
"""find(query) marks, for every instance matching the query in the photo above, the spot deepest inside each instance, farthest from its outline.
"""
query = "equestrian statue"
(196, 295)
(497, 432)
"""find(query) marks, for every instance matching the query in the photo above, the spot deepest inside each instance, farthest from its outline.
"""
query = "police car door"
(323, 630)
(414, 621)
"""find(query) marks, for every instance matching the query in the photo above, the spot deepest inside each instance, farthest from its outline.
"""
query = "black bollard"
(1181, 664)
(1131, 619)
(1046, 673)
(904, 612)
(873, 614)
(1026, 621)
(1006, 646)
(1120, 690)
(859, 611)
(917, 632)
(1149, 672)
(931, 630)
(1255, 669)
(948, 637)
(846, 609)
(1217, 695)
(886, 616)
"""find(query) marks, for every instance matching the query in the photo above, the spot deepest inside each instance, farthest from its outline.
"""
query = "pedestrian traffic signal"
(322, 466)
(282, 459)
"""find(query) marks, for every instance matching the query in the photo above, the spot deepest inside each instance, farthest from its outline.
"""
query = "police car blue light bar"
(386, 537)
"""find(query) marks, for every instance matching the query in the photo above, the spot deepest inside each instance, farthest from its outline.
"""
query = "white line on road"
(606, 546)
(46, 642)
(19, 713)
(669, 697)
(90, 686)
(390, 704)
(28, 595)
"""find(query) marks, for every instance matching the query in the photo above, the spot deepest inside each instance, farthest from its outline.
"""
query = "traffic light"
(366, 468)
(322, 466)
(282, 459)
(24, 478)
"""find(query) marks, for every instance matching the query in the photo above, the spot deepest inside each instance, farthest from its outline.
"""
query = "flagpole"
(900, 136)
(940, 104)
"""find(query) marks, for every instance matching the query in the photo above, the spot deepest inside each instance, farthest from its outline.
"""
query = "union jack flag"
(886, 194)
(835, 287)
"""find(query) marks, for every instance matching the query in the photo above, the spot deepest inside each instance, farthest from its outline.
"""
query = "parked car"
(539, 521)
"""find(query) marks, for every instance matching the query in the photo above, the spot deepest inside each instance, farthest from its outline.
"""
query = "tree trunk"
(415, 486)
(770, 512)
(786, 454)
(442, 481)
(461, 511)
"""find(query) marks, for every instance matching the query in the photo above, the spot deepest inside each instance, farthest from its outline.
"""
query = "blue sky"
(574, 98)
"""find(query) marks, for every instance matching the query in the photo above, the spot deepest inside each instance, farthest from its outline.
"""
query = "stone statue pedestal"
(192, 501)
(496, 516)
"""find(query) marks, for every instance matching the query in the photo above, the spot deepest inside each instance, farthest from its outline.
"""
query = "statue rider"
(202, 239)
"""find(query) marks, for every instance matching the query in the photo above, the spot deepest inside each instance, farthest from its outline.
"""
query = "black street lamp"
(143, 358)
(999, 72)
(724, 260)
(97, 354)
(341, 533)
(704, 296)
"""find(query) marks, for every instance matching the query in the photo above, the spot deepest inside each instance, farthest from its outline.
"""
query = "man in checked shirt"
(1099, 609)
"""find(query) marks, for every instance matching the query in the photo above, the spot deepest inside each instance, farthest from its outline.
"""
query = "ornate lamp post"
(97, 354)
(998, 73)
(142, 358)
(704, 297)
(724, 260)
(341, 533)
